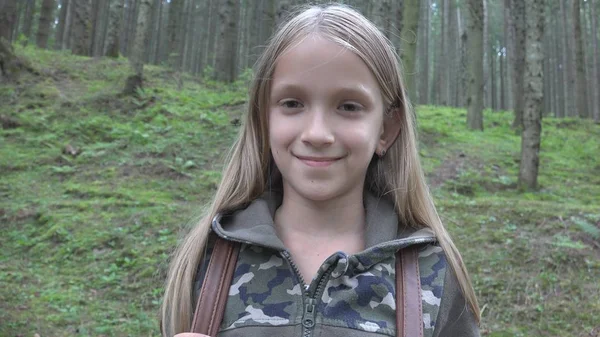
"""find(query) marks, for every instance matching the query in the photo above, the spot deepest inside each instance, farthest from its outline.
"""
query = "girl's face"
(326, 120)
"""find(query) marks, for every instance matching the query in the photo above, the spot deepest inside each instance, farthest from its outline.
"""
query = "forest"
(117, 114)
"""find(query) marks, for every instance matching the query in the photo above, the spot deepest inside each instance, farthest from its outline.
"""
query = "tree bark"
(115, 18)
(581, 85)
(595, 65)
(533, 79)
(475, 47)
(60, 29)
(80, 36)
(283, 8)
(570, 109)
(518, 19)
(227, 49)
(8, 13)
(140, 41)
(408, 36)
(46, 16)
(424, 65)
(28, 18)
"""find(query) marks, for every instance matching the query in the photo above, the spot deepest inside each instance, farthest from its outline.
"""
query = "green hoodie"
(351, 295)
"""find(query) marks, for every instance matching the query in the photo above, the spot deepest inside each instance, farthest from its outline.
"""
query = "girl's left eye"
(350, 107)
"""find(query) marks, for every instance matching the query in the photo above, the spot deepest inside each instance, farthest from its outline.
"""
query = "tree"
(28, 19)
(225, 69)
(8, 13)
(80, 35)
(518, 20)
(423, 44)
(174, 33)
(140, 41)
(46, 16)
(533, 95)
(115, 18)
(595, 72)
(475, 55)
(408, 35)
(581, 87)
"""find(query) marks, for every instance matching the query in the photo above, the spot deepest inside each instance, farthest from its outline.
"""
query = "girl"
(322, 188)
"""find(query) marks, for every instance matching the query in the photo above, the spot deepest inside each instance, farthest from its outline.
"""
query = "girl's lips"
(317, 161)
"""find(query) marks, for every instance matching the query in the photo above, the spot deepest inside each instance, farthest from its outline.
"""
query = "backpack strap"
(409, 312)
(215, 288)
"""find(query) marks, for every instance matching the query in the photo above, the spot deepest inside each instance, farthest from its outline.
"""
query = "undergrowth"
(97, 188)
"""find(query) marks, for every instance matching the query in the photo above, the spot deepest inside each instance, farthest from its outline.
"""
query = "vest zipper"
(310, 297)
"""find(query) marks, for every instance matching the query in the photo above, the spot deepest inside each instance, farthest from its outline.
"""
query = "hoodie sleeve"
(455, 318)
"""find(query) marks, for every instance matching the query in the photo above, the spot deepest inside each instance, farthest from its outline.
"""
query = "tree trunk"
(518, 19)
(28, 19)
(173, 33)
(115, 18)
(595, 65)
(424, 73)
(46, 16)
(409, 39)
(283, 8)
(560, 71)
(581, 87)
(509, 53)
(570, 109)
(533, 79)
(475, 47)
(136, 59)
(487, 92)
(60, 29)
(227, 48)
(8, 14)
(379, 13)
(80, 36)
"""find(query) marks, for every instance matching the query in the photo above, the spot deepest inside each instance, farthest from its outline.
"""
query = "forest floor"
(97, 188)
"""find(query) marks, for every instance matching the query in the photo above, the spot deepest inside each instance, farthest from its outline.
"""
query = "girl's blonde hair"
(397, 176)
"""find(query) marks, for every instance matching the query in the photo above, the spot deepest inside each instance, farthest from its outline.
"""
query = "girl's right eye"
(291, 104)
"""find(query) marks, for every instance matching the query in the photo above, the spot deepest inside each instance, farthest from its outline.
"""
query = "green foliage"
(87, 236)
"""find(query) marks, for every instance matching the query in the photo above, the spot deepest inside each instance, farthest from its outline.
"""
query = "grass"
(97, 188)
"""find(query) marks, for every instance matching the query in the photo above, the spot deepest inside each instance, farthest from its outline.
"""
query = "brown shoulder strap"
(409, 312)
(215, 288)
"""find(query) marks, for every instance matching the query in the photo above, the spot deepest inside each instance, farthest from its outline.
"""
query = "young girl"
(322, 188)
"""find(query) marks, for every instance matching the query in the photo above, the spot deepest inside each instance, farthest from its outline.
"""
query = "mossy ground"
(97, 188)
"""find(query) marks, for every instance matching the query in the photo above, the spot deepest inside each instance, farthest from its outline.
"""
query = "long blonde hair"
(397, 176)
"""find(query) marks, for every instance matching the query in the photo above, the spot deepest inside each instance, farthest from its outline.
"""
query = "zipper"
(309, 298)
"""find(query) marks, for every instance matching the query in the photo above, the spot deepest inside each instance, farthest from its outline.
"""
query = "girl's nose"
(317, 131)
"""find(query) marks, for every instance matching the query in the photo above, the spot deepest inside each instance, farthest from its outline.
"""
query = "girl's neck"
(300, 218)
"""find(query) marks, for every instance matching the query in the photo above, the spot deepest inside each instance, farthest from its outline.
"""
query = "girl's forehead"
(317, 61)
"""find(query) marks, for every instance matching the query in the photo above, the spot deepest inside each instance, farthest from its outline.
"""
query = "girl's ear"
(390, 130)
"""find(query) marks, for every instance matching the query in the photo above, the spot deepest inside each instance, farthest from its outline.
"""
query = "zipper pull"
(308, 321)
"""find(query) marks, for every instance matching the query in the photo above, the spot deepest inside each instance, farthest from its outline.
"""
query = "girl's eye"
(291, 104)
(350, 107)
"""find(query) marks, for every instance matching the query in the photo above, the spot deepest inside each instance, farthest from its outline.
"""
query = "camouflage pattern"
(352, 291)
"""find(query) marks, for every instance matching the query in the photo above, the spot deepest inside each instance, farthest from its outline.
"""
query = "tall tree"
(595, 60)
(408, 35)
(424, 46)
(60, 28)
(581, 85)
(533, 94)
(174, 32)
(80, 35)
(283, 8)
(115, 17)
(8, 14)
(225, 69)
(28, 18)
(140, 41)
(570, 109)
(475, 47)
(46, 16)
(518, 20)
